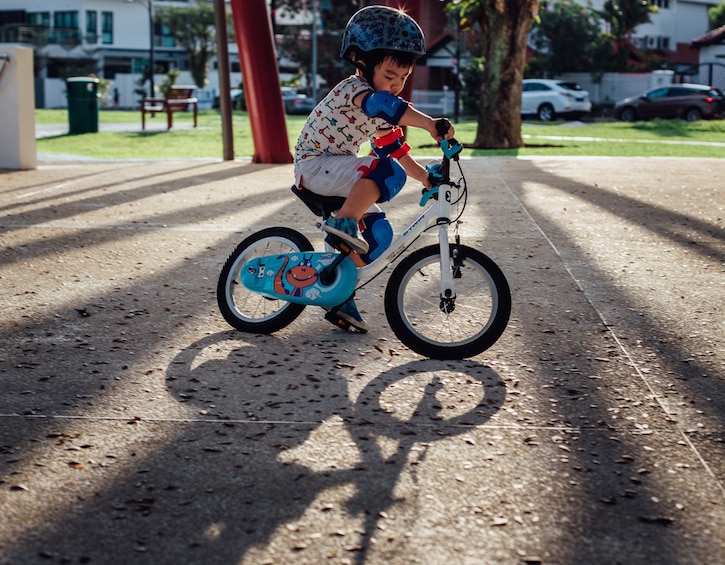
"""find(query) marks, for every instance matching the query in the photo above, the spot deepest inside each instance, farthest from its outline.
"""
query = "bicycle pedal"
(336, 242)
(332, 317)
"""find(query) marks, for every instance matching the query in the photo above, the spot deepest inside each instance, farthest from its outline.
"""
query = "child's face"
(390, 77)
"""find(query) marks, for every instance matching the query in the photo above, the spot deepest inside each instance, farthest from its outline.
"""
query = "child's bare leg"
(364, 193)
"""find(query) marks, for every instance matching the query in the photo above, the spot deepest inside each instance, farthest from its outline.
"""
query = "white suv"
(548, 99)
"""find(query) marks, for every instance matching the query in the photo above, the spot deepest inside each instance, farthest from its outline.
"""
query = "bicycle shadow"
(278, 407)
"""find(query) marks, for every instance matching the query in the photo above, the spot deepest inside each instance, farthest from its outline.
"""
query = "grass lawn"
(674, 138)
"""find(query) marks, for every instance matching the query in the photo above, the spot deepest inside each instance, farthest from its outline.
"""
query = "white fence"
(612, 88)
(123, 88)
(434, 102)
(616, 86)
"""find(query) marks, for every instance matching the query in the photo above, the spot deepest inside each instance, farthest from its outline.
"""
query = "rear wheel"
(546, 113)
(248, 311)
(693, 115)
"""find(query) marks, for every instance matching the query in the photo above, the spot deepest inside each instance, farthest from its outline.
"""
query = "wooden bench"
(177, 99)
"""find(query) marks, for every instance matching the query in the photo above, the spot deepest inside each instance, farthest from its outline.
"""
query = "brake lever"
(451, 148)
(428, 194)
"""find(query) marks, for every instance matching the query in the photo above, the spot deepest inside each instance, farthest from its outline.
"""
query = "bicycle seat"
(319, 204)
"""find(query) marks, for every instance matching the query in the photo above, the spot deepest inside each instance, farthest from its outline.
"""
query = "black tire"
(693, 115)
(415, 312)
(628, 115)
(248, 311)
(546, 113)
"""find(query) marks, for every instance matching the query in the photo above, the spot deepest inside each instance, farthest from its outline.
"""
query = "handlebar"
(439, 173)
(450, 147)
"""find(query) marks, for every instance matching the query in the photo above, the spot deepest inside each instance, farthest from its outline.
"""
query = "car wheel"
(546, 113)
(693, 115)
(628, 115)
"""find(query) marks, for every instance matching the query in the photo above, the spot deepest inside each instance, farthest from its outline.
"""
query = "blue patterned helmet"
(380, 27)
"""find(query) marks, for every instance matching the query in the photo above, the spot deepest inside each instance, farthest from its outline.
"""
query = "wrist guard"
(391, 145)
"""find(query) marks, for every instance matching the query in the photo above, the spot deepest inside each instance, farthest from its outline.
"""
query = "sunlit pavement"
(137, 427)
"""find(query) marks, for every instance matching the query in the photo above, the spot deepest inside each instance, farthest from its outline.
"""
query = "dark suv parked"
(689, 102)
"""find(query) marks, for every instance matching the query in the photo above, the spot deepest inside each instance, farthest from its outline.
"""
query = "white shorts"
(333, 175)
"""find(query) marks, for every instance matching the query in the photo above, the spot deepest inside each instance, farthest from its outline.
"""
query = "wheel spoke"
(415, 312)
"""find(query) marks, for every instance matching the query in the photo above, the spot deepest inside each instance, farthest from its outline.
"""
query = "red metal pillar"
(261, 81)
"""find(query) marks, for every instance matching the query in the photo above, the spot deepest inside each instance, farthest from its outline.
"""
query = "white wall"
(713, 54)
(17, 108)
(130, 18)
(682, 22)
(616, 86)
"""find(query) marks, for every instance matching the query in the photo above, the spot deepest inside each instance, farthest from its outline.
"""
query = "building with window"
(103, 37)
(112, 39)
(672, 29)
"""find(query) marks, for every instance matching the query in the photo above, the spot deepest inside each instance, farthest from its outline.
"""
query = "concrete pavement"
(137, 427)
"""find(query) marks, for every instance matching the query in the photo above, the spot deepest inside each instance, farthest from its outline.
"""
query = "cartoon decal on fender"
(298, 277)
(301, 282)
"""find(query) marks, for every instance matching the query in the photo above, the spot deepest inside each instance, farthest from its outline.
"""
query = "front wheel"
(628, 115)
(248, 311)
(546, 113)
(444, 328)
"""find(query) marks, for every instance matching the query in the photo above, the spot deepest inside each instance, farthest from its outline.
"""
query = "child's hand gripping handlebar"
(438, 172)
(450, 147)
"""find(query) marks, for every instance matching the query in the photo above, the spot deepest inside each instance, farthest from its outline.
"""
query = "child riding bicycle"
(383, 45)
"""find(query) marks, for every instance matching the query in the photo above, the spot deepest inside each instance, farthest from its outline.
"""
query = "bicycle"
(443, 301)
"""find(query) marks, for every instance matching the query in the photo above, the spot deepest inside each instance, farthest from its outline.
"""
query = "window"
(660, 3)
(680, 91)
(65, 20)
(165, 39)
(540, 87)
(106, 28)
(570, 85)
(9, 17)
(535, 87)
(39, 19)
(91, 26)
(659, 93)
(65, 29)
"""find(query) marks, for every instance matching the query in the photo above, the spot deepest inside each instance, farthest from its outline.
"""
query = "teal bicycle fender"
(295, 277)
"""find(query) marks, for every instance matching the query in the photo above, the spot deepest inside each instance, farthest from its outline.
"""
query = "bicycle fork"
(448, 291)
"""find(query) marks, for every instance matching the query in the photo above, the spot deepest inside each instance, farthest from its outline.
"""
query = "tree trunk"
(504, 28)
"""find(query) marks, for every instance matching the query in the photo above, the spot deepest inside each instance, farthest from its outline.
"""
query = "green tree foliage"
(568, 38)
(296, 43)
(498, 32)
(193, 30)
(716, 15)
(623, 16)
(471, 88)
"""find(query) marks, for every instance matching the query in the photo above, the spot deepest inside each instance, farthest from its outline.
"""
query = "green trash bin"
(82, 104)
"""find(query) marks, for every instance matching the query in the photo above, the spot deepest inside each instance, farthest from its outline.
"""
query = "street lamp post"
(151, 46)
(150, 6)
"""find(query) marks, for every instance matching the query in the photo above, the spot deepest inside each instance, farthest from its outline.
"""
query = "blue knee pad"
(378, 232)
(389, 175)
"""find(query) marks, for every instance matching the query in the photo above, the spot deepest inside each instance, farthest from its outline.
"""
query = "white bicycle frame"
(438, 213)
